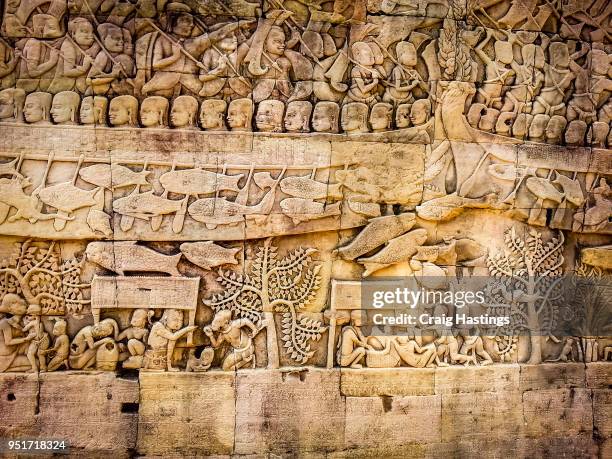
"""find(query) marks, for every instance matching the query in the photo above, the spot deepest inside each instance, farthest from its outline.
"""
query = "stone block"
(480, 415)
(602, 407)
(289, 412)
(557, 412)
(96, 411)
(552, 376)
(18, 404)
(186, 413)
(490, 378)
(599, 375)
(372, 382)
(382, 421)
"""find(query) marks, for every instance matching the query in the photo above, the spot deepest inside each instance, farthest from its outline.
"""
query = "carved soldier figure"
(123, 111)
(558, 75)
(77, 53)
(325, 117)
(154, 112)
(28, 18)
(212, 115)
(93, 110)
(354, 118)
(184, 112)
(404, 77)
(37, 65)
(365, 75)
(380, 117)
(8, 64)
(497, 74)
(240, 114)
(11, 105)
(269, 117)
(297, 117)
(65, 107)
(37, 108)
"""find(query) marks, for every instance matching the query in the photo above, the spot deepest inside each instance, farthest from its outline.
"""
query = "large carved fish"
(113, 176)
(450, 206)
(303, 187)
(378, 231)
(146, 205)
(208, 255)
(128, 256)
(302, 210)
(198, 181)
(397, 250)
(220, 211)
(67, 197)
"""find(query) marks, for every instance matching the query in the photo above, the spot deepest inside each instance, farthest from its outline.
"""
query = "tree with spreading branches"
(286, 286)
(528, 286)
(36, 272)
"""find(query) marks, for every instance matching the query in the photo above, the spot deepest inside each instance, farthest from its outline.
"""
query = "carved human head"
(600, 62)
(154, 112)
(81, 31)
(559, 54)
(140, 317)
(357, 317)
(555, 128)
(37, 108)
(503, 51)
(575, 133)
(180, 19)
(221, 319)
(474, 114)
(420, 112)
(11, 104)
(93, 110)
(173, 319)
(184, 112)
(104, 328)
(504, 123)
(46, 26)
(59, 327)
(521, 124)
(325, 117)
(113, 37)
(227, 44)
(600, 133)
(123, 111)
(297, 116)
(363, 54)
(13, 304)
(381, 117)
(275, 41)
(354, 118)
(65, 107)
(538, 127)
(402, 116)
(212, 115)
(488, 120)
(406, 53)
(240, 114)
(269, 117)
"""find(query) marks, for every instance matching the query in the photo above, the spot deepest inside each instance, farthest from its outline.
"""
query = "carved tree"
(285, 286)
(38, 274)
(529, 283)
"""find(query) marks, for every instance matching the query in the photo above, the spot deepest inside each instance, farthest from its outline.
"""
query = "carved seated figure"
(11, 105)
(123, 111)
(269, 117)
(8, 64)
(65, 107)
(184, 112)
(162, 340)
(60, 350)
(354, 118)
(154, 112)
(136, 336)
(233, 332)
(557, 79)
(366, 76)
(297, 117)
(37, 66)
(37, 108)
(13, 342)
(212, 115)
(240, 115)
(352, 345)
(85, 345)
(325, 117)
(380, 117)
(404, 77)
(415, 355)
(93, 110)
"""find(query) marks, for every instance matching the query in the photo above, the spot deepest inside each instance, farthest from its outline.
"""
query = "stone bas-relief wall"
(199, 187)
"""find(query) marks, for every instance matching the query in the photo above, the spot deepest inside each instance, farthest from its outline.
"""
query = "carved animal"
(378, 231)
(146, 205)
(11, 194)
(302, 210)
(450, 206)
(66, 197)
(198, 181)
(397, 250)
(113, 176)
(128, 256)
(303, 187)
(208, 255)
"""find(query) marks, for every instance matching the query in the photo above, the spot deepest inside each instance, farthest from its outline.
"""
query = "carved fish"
(113, 176)
(378, 231)
(208, 255)
(397, 250)
(220, 211)
(450, 206)
(571, 188)
(301, 210)
(146, 205)
(198, 181)
(303, 187)
(544, 189)
(369, 209)
(429, 275)
(67, 197)
(128, 256)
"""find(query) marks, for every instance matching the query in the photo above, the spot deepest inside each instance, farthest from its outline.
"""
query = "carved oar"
(127, 221)
(157, 220)
(59, 224)
(42, 184)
